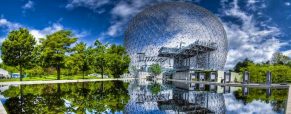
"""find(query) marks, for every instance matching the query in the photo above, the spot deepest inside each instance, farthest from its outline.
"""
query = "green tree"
(54, 48)
(100, 62)
(155, 69)
(280, 73)
(35, 71)
(242, 64)
(17, 49)
(289, 63)
(118, 60)
(155, 88)
(70, 65)
(279, 58)
(82, 56)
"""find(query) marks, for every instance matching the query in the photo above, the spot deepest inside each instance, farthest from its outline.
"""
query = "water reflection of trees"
(155, 88)
(93, 97)
(277, 98)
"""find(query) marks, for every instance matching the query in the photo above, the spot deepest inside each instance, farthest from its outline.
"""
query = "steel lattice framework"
(173, 24)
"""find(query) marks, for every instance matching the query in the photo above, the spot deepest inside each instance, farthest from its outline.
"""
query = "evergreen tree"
(17, 49)
(155, 69)
(100, 62)
(82, 57)
(119, 60)
(55, 47)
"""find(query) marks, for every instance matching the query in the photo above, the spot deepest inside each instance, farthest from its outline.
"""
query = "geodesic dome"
(173, 24)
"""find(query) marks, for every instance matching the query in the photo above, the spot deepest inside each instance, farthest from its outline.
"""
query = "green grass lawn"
(49, 77)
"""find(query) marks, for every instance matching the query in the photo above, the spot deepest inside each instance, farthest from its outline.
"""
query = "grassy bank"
(49, 77)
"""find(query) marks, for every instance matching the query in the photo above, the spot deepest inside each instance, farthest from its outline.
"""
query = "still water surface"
(141, 97)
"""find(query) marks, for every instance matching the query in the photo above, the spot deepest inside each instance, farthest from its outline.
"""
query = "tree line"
(59, 53)
(279, 66)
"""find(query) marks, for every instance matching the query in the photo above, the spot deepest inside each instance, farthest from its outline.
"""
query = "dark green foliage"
(281, 71)
(100, 62)
(118, 60)
(113, 60)
(55, 51)
(17, 49)
(54, 48)
(155, 88)
(81, 57)
(10, 69)
(243, 64)
(155, 69)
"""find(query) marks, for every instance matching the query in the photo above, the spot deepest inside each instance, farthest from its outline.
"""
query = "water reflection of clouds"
(234, 106)
(149, 108)
(2, 99)
(2, 89)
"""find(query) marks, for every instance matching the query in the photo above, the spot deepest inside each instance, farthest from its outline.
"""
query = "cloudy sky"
(255, 28)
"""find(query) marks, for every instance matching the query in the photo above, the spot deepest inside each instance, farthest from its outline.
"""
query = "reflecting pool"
(141, 96)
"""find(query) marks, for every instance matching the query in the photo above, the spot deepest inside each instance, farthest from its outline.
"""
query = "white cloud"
(7, 25)
(287, 53)
(287, 3)
(120, 15)
(128, 9)
(54, 28)
(252, 1)
(28, 5)
(48, 30)
(255, 4)
(114, 29)
(238, 107)
(124, 11)
(37, 33)
(248, 40)
(94, 5)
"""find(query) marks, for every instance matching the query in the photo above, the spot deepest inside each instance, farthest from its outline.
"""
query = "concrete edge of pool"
(61, 81)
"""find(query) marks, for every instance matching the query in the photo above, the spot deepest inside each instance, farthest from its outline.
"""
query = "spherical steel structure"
(173, 24)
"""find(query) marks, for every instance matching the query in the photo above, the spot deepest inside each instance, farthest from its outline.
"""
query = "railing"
(197, 46)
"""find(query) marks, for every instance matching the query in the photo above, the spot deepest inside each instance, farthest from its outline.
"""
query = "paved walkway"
(2, 109)
(61, 81)
(288, 107)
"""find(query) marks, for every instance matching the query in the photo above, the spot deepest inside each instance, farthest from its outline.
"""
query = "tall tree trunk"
(58, 71)
(83, 74)
(20, 68)
(102, 72)
(102, 68)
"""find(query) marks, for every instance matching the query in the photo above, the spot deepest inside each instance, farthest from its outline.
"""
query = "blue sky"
(255, 28)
